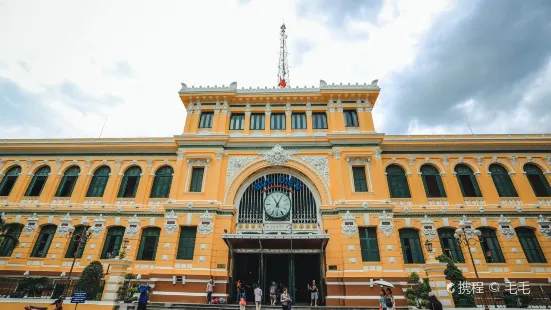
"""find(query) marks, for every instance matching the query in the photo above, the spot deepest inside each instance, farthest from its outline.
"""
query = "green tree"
(418, 292)
(455, 276)
(90, 280)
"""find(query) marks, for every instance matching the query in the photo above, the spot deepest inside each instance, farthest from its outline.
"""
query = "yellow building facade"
(281, 184)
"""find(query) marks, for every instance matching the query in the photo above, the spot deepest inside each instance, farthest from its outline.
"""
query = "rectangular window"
(277, 121)
(186, 244)
(351, 118)
(257, 121)
(298, 121)
(206, 120)
(197, 179)
(237, 121)
(319, 120)
(360, 183)
(369, 245)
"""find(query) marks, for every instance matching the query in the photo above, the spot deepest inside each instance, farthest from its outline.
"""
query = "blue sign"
(78, 297)
(268, 181)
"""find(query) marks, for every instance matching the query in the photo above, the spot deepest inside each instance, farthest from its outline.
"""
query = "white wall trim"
(190, 294)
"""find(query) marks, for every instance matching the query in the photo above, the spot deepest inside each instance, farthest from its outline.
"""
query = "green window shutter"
(449, 245)
(397, 182)
(440, 186)
(38, 181)
(423, 177)
(113, 242)
(319, 121)
(196, 179)
(8, 244)
(502, 181)
(72, 243)
(530, 245)
(368, 244)
(9, 180)
(98, 182)
(148, 244)
(186, 244)
(475, 185)
(360, 183)
(206, 120)
(43, 241)
(162, 182)
(411, 237)
(130, 182)
(491, 244)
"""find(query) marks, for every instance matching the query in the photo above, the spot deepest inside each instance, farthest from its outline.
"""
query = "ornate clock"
(277, 205)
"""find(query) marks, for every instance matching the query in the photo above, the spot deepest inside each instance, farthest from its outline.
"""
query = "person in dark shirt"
(434, 303)
(144, 294)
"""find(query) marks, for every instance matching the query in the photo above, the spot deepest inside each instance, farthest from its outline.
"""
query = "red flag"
(282, 82)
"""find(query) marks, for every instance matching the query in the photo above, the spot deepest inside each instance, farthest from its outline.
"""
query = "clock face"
(277, 205)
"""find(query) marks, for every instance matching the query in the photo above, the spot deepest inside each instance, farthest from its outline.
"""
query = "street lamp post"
(79, 238)
(467, 239)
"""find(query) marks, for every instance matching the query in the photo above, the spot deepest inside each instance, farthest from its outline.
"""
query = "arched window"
(72, 249)
(490, 246)
(113, 242)
(449, 245)
(43, 241)
(148, 243)
(8, 182)
(99, 182)
(162, 182)
(502, 181)
(537, 180)
(38, 181)
(411, 246)
(397, 182)
(530, 245)
(467, 181)
(67, 184)
(8, 244)
(130, 182)
(432, 182)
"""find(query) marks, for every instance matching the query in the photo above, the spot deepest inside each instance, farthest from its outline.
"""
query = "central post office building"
(279, 184)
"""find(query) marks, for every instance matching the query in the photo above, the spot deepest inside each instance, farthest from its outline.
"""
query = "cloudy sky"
(66, 66)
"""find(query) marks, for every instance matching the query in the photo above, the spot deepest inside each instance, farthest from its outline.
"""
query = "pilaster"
(115, 278)
(438, 283)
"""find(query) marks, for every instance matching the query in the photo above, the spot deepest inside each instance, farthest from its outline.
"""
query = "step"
(189, 306)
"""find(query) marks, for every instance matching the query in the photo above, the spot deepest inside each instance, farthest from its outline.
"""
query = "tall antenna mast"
(283, 66)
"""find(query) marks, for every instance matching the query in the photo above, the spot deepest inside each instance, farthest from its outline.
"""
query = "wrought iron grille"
(303, 204)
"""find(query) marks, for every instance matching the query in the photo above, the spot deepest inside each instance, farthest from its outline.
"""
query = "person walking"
(285, 300)
(258, 297)
(273, 294)
(144, 295)
(210, 287)
(382, 300)
(434, 303)
(313, 289)
(389, 299)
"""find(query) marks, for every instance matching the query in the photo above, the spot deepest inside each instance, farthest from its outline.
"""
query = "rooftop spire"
(283, 66)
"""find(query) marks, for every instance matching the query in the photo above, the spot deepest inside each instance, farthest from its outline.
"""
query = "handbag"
(243, 302)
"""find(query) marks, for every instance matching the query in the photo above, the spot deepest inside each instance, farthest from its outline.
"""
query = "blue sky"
(66, 66)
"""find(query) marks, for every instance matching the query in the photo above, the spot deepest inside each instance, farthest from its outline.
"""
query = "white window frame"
(358, 161)
(196, 162)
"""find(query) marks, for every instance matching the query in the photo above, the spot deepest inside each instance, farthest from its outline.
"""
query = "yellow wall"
(217, 149)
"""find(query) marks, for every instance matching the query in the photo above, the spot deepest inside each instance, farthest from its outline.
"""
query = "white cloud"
(163, 43)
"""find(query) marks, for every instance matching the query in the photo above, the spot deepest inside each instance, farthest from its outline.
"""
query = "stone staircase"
(183, 306)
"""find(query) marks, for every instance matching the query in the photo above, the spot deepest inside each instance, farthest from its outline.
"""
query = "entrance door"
(307, 268)
(276, 269)
(246, 268)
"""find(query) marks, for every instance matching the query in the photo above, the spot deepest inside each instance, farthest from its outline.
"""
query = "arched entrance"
(278, 234)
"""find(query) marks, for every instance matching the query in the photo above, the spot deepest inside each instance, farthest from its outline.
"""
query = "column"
(309, 124)
(368, 116)
(112, 188)
(52, 183)
(82, 185)
(176, 186)
(144, 188)
(115, 278)
(288, 123)
(223, 119)
(194, 121)
(418, 194)
(247, 127)
(339, 117)
(21, 185)
(523, 187)
(268, 122)
(453, 191)
(438, 283)
(487, 187)
(188, 117)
